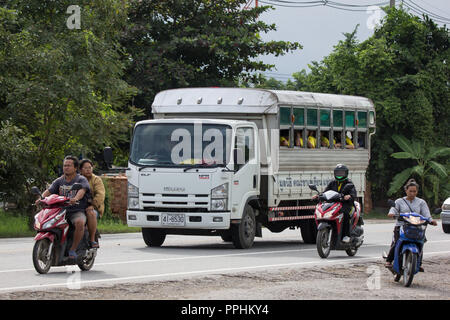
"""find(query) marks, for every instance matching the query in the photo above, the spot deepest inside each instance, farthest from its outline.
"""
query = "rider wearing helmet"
(338, 185)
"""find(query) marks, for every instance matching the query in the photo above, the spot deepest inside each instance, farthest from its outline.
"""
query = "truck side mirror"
(391, 203)
(35, 190)
(108, 156)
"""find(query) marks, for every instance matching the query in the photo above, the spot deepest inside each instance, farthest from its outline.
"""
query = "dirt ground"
(369, 281)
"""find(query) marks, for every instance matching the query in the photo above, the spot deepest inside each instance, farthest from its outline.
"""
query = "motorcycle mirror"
(347, 187)
(437, 211)
(76, 186)
(313, 187)
(391, 203)
(35, 190)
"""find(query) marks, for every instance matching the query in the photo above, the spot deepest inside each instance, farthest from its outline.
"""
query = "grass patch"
(12, 225)
(15, 225)
(114, 226)
(377, 213)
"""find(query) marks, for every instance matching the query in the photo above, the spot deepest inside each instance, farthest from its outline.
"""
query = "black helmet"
(340, 172)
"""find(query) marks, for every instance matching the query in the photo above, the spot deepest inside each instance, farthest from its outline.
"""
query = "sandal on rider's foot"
(72, 255)
(388, 265)
(94, 244)
(421, 269)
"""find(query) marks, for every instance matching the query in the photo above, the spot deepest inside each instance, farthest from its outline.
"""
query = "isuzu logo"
(174, 189)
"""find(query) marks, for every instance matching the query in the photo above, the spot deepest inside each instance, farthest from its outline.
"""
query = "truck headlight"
(446, 207)
(219, 205)
(220, 192)
(133, 196)
(219, 198)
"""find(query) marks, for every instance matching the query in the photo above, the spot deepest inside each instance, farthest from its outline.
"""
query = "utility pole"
(392, 3)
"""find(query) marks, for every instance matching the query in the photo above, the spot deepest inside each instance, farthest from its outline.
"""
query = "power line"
(421, 11)
(331, 4)
(354, 7)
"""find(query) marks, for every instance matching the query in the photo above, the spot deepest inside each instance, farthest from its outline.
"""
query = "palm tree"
(426, 168)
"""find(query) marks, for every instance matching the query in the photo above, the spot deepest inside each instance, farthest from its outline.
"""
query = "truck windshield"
(181, 144)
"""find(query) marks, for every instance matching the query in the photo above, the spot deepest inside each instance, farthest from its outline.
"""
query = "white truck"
(228, 161)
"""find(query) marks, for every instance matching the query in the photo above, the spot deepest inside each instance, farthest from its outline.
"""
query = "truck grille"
(175, 202)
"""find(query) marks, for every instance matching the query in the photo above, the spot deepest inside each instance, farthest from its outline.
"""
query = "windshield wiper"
(158, 164)
(201, 165)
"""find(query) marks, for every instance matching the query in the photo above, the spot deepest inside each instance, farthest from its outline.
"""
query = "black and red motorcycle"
(329, 218)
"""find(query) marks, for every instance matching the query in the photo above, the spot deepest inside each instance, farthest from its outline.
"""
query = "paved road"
(125, 258)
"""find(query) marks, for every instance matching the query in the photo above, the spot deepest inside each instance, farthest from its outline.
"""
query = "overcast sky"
(319, 28)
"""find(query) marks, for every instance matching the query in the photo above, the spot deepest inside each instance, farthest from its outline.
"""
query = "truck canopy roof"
(247, 100)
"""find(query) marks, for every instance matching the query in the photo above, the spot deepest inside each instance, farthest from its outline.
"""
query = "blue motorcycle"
(408, 249)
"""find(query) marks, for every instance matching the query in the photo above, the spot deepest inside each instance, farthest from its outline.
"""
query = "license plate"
(172, 219)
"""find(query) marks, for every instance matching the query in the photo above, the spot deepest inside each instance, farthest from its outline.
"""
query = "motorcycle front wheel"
(409, 266)
(351, 251)
(41, 262)
(323, 243)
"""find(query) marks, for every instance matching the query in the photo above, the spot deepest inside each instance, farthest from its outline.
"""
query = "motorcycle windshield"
(414, 218)
(331, 195)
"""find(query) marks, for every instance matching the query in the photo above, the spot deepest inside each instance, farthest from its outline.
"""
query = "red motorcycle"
(329, 218)
(55, 236)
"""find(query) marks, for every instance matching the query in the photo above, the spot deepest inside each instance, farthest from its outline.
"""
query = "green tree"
(433, 175)
(181, 43)
(63, 88)
(403, 68)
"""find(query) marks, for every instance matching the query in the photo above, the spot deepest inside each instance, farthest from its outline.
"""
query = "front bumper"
(193, 220)
(445, 217)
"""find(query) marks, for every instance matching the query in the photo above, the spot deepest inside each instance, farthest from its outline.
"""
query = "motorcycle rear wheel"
(323, 247)
(409, 266)
(40, 251)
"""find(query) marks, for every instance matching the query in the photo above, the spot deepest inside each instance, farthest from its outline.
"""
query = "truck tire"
(309, 232)
(153, 237)
(243, 234)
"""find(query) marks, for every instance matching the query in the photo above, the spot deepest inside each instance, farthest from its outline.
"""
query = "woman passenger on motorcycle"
(96, 206)
(405, 205)
(341, 180)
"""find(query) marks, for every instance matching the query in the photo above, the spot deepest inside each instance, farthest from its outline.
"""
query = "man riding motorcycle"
(76, 212)
(341, 180)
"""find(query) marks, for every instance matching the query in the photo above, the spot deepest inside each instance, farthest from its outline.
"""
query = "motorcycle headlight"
(48, 224)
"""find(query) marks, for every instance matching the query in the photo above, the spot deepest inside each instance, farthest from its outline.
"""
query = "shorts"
(73, 216)
(97, 215)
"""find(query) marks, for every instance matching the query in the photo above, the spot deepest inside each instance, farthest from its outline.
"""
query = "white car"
(445, 215)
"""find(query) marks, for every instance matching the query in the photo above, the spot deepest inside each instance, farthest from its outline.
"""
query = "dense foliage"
(404, 69)
(70, 78)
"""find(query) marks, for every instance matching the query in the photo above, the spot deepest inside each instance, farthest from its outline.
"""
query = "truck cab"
(192, 176)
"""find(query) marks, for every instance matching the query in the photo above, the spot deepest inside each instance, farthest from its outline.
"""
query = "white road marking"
(174, 274)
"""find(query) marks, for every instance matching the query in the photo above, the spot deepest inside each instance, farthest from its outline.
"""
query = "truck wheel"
(153, 237)
(243, 234)
(309, 232)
